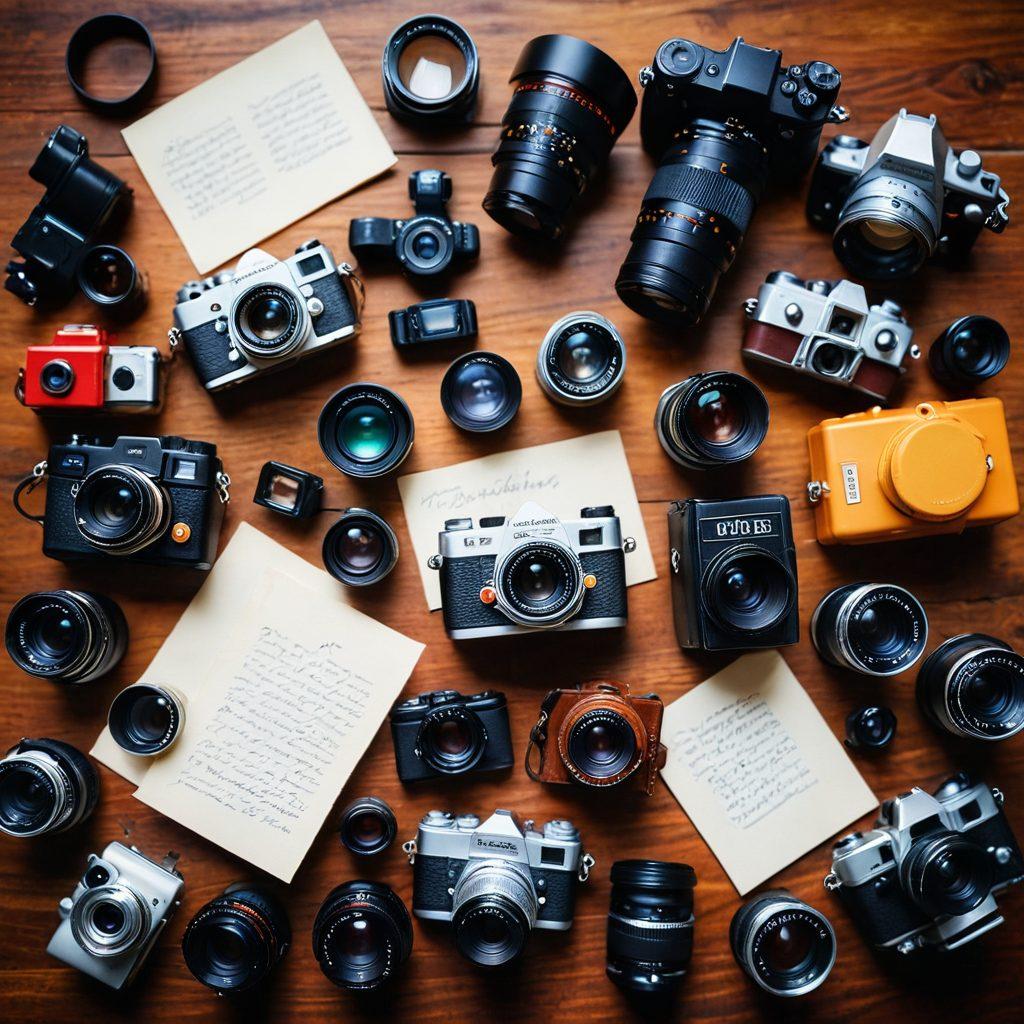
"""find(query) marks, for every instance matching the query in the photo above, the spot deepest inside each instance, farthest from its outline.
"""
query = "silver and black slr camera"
(532, 571)
(927, 875)
(114, 917)
(497, 881)
(266, 314)
(827, 330)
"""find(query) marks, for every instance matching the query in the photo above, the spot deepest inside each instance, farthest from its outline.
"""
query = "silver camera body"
(829, 331)
(119, 907)
(132, 378)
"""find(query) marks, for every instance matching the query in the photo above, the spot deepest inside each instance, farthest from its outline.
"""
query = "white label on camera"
(851, 483)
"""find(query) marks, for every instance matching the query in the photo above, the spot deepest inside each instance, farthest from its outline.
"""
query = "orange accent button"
(488, 596)
(180, 532)
(590, 581)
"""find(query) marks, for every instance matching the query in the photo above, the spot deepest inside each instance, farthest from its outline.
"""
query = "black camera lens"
(711, 419)
(120, 509)
(431, 72)
(481, 391)
(46, 786)
(877, 629)
(451, 739)
(360, 548)
(783, 944)
(57, 377)
(268, 321)
(970, 350)
(947, 874)
(650, 925)
(235, 940)
(365, 430)
(748, 590)
(146, 720)
(109, 277)
(870, 728)
(601, 744)
(972, 686)
(362, 935)
(581, 360)
(368, 826)
(425, 246)
(570, 103)
(67, 636)
(539, 583)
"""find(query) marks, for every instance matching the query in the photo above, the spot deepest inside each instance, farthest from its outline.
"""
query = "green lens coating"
(366, 432)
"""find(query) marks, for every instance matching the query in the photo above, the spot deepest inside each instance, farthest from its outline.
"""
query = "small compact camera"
(734, 580)
(446, 733)
(496, 881)
(532, 571)
(114, 917)
(427, 243)
(603, 735)
(266, 314)
(885, 474)
(433, 321)
(158, 500)
(827, 330)
(928, 873)
(80, 370)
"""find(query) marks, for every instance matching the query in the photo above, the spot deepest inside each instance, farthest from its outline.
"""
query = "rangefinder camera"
(158, 500)
(827, 330)
(114, 917)
(266, 314)
(532, 571)
(497, 881)
(885, 474)
(446, 733)
(928, 873)
(598, 735)
(80, 370)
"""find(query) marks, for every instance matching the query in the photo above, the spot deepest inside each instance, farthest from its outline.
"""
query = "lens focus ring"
(705, 189)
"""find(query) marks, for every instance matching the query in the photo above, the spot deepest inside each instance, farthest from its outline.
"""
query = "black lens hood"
(86, 38)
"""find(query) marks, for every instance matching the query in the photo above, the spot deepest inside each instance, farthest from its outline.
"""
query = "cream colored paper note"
(258, 146)
(757, 769)
(561, 477)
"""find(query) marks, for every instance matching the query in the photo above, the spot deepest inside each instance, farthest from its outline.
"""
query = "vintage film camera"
(827, 330)
(598, 735)
(80, 370)
(928, 873)
(266, 314)
(112, 920)
(532, 571)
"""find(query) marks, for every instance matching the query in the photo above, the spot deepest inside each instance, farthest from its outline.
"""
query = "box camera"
(928, 873)
(734, 579)
(427, 243)
(157, 500)
(902, 198)
(827, 330)
(531, 572)
(80, 370)
(117, 912)
(266, 314)
(603, 735)
(446, 733)
(885, 474)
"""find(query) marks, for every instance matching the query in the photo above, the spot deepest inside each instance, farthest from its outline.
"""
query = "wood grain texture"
(962, 61)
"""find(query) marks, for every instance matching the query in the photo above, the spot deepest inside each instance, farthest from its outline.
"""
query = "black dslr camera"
(157, 500)
(734, 581)
(721, 124)
(446, 733)
(425, 244)
(82, 200)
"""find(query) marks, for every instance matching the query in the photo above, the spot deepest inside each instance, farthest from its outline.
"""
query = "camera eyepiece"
(481, 392)
(360, 548)
(146, 720)
(581, 360)
(970, 350)
(368, 826)
(365, 430)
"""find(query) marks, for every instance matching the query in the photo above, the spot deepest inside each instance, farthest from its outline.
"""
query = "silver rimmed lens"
(886, 229)
(494, 908)
(539, 584)
(109, 920)
(581, 360)
(146, 720)
(120, 509)
(268, 321)
(57, 377)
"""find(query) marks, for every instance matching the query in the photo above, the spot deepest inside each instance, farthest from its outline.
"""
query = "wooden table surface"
(964, 64)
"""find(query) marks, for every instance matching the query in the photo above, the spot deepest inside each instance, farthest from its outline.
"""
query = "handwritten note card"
(258, 146)
(758, 770)
(562, 477)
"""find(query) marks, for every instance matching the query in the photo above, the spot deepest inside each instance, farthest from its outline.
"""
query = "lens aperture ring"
(957, 701)
(650, 941)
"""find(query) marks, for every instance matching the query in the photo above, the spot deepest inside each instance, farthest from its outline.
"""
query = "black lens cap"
(89, 35)
(481, 391)
(871, 727)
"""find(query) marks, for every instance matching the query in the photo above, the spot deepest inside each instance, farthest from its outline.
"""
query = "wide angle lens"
(368, 826)
(946, 874)
(269, 321)
(451, 739)
(601, 745)
(146, 720)
(481, 391)
(120, 509)
(360, 548)
(539, 584)
(365, 430)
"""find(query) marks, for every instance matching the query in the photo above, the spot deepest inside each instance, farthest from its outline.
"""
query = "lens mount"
(360, 548)
(146, 720)
(120, 509)
(481, 392)
(57, 377)
(494, 908)
(947, 874)
(451, 739)
(548, 568)
(368, 826)
(748, 589)
(365, 430)
(970, 350)
(268, 321)
(602, 741)
(581, 360)
(110, 920)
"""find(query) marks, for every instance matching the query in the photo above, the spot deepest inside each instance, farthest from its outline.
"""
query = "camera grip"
(372, 238)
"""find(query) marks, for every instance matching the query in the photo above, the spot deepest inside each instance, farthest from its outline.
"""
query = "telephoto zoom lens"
(481, 392)
(570, 103)
(146, 720)
(969, 351)
(362, 935)
(650, 925)
(46, 786)
(972, 686)
(782, 943)
(711, 419)
(877, 629)
(581, 360)
(360, 548)
(235, 941)
(368, 826)
(365, 430)
(67, 636)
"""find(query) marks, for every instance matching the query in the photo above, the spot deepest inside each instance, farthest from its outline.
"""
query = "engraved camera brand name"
(733, 527)
(505, 845)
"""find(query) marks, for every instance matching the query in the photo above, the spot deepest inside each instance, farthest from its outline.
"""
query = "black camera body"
(82, 200)
(423, 245)
(734, 574)
(153, 500)
(447, 733)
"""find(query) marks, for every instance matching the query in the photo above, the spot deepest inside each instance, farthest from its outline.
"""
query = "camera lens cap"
(89, 35)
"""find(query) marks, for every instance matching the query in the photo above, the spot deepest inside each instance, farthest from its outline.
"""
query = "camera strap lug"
(998, 217)
(674, 559)
(628, 545)
(223, 487)
(170, 861)
(586, 863)
(434, 562)
(410, 850)
(27, 486)
(19, 386)
(831, 882)
(816, 490)
(838, 114)
(352, 283)
(645, 76)
(538, 734)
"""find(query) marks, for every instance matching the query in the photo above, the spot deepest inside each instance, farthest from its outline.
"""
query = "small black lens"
(581, 360)
(146, 720)
(368, 826)
(451, 739)
(425, 246)
(870, 728)
(490, 933)
(970, 350)
(829, 360)
(57, 377)
(748, 590)
(365, 430)
(601, 744)
(108, 918)
(360, 548)
(481, 391)
(109, 277)
(947, 874)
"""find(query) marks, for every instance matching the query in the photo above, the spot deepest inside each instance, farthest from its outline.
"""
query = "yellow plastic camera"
(890, 473)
